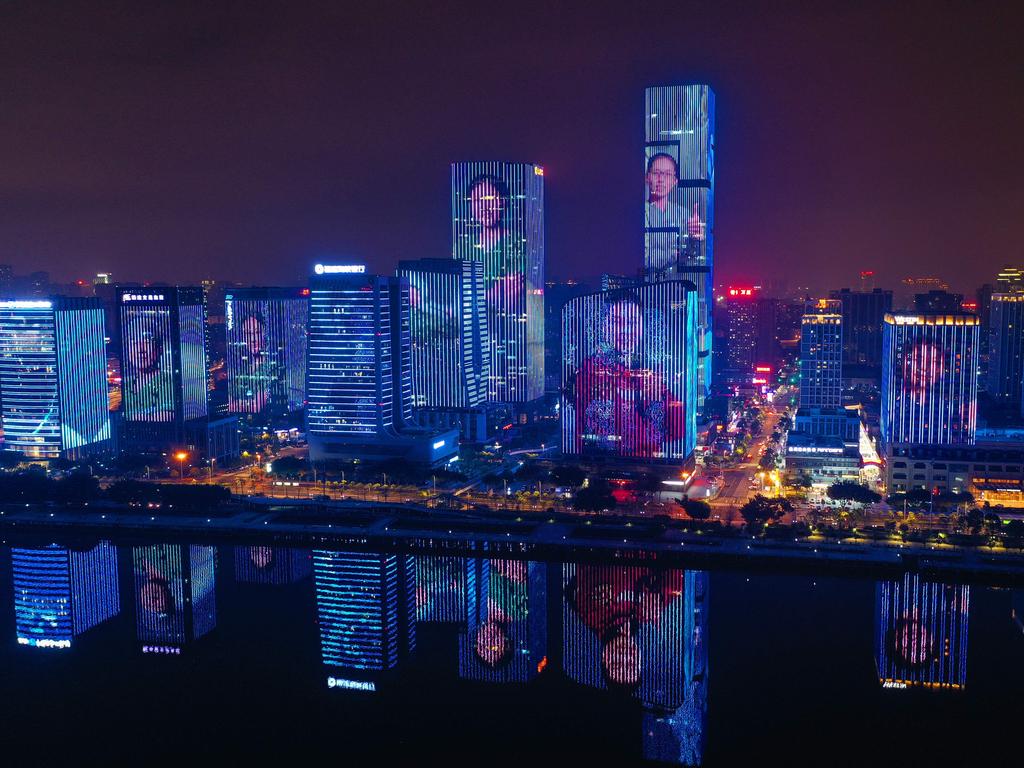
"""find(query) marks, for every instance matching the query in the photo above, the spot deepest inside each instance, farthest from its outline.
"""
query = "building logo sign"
(142, 297)
(339, 269)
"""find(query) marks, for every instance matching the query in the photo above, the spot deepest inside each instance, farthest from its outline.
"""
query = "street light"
(181, 456)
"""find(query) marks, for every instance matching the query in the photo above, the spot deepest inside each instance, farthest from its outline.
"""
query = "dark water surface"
(152, 652)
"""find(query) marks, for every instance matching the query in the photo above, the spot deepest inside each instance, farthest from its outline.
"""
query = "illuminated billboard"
(163, 357)
(629, 372)
(679, 193)
(929, 379)
(265, 329)
(498, 220)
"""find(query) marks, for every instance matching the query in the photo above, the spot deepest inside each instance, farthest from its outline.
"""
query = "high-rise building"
(741, 319)
(359, 371)
(938, 303)
(863, 316)
(1010, 279)
(921, 633)
(366, 604)
(1006, 347)
(175, 600)
(929, 379)
(679, 170)
(448, 331)
(449, 589)
(498, 220)
(53, 380)
(260, 564)
(629, 386)
(265, 332)
(163, 363)
(60, 593)
(821, 355)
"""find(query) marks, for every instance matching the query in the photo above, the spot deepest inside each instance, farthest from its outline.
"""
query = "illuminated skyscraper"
(60, 593)
(366, 605)
(448, 330)
(175, 600)
(629, 385)
(921, 633)
(449, 587)
(1006, 347)
(163, 362)
(821, 355)
(679, 166)
(863, 316)
(53, 379)
(929, 379)
(741, 318)
(260, 564)
(498, 220)
(265, 329)
(359, 371)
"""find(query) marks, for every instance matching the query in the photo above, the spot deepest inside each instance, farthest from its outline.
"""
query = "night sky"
(245, 141)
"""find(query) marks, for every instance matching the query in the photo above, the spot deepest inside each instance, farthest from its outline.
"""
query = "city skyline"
(214, 162)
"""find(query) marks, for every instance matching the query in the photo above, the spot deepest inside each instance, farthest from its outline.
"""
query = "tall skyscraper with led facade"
(448, 332)
(929, 379)
(1006, 347)
(679, 196)
(366, 606)
(498, 220)
(629, 386)
(163, 362)
(53, 377)
(60, 593)
(821, 355)
(359, 370)
(741, 318)
(175, 599)
(265, 330)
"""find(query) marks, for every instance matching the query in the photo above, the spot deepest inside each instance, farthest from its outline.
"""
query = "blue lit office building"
(163, 364)
(60, 593)
(679, 195)
(929, 379)
(265, 331)
(175, 600)
(921, 633)
(498, 220)
(53, 377)
(450, 353)
(448, 588)
(359, 372)
(505, 638)
(366, 604)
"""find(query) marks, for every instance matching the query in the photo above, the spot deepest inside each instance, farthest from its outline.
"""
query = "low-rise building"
(992, 472)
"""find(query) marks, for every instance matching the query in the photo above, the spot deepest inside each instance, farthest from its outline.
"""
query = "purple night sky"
(244, 141)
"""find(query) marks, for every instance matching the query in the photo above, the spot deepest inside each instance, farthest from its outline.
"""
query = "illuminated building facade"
(366, 605)
(359, 371)
(505, 637)
(1006, 347)
(60, 593)
(448, 331)
(863, 315)
(265, 331)
(163, 362)
(679, 171)
(821, 355)
(921, 633)
(929, 379)
(175, 601)
(629, 384)
(498, 220)
(741, 320)
(450, 588)
(260, 564)
(53, 380)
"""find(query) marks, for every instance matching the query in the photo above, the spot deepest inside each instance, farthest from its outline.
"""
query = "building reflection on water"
(637, 634)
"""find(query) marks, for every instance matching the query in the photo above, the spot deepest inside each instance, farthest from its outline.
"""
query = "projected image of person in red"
(924, 367)
(614, 602)
(623, 404)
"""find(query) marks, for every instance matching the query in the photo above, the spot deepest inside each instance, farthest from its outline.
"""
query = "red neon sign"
(741, 291)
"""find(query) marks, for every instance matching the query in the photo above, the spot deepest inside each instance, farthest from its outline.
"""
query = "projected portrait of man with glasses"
(662, 181)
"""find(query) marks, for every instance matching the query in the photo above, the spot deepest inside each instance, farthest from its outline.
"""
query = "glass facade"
(929, 379)
(821, 355)
(628, 372)
(1006, 347)
(679, 196)
(163, 357)
(448, 332)
(265, 329)
(53, 382)
(498, 220)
